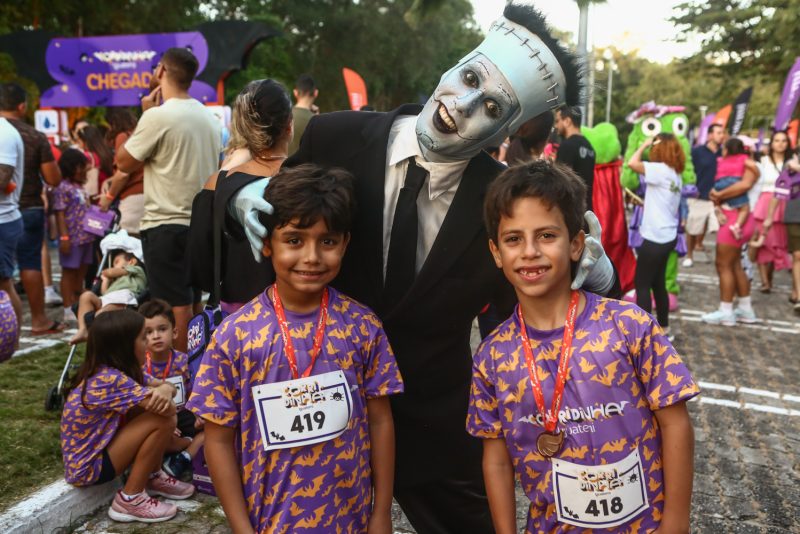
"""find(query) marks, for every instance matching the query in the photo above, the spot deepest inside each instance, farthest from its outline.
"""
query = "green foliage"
(743, 37)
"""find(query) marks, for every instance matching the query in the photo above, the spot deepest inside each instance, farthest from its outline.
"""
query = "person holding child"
(70, 203)
(582, 396)
(108, 389)
(163, 362)
(731, 166)
(296, 382)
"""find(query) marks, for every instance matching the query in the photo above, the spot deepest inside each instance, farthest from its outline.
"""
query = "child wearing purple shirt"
(296, 382)
(111, 421)
(590, 412)
(75, 246)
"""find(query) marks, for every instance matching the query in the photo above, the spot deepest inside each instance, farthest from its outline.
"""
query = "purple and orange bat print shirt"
(623, 369)
(88, 427)
(325, 487)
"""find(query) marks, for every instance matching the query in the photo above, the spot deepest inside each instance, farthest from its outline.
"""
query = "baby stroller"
(113, 242)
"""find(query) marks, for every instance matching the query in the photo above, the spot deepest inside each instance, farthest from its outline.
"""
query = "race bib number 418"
(304, 411)
(599, 496)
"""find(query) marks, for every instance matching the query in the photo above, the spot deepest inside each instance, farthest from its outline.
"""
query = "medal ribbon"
(166, 369)
(551, 417)
(287, 340)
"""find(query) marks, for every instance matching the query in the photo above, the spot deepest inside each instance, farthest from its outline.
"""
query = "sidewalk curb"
(54, 506)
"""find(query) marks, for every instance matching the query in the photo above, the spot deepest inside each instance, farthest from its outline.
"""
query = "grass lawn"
(30, 448)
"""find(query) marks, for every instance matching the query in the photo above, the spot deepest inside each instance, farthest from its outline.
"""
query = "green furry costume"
(648, 121)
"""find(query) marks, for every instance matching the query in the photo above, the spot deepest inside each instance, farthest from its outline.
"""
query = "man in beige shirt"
(177, 142)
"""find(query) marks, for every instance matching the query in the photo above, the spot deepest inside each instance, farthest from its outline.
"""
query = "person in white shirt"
(659, 228)
(12, 160)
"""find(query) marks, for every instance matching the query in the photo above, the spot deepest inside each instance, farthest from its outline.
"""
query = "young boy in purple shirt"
(590, 411)
(296, 382)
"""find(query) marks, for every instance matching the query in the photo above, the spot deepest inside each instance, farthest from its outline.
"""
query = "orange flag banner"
(723, 115)
(792, 131)
(356, 89)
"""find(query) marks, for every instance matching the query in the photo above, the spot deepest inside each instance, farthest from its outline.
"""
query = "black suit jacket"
(429, 329)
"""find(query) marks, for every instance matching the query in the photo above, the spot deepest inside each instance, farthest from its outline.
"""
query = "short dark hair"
(572, 113)
(711, 127)
(735, 146)
(181, 66)
(128, 255)
(70, 161)
(305, 84)
(556, 185)
(310, 193)
(157, 308)
(11, 96)
(529, 17)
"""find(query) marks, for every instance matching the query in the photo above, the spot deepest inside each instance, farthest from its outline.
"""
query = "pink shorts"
(725, 236)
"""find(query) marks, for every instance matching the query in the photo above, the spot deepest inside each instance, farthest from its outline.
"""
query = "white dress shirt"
(443, 180)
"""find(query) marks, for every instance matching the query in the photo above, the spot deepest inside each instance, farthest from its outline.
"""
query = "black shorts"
(186, 423)
(165, 258)
(107, 472)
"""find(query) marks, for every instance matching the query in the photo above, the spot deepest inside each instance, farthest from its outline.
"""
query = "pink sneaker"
(143, 508)
(169, 487)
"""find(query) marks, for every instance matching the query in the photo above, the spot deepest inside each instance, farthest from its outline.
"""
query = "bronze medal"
(549, 444)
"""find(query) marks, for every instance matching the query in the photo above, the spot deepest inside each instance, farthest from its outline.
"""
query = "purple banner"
(702, 135)
(116, 70)
(788, 101)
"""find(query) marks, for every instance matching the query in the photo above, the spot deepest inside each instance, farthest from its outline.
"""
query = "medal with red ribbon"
(287, 340)
(550, 441)
(166, 369)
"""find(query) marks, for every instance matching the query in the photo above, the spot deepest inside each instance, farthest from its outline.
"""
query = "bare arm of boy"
(381, 436)
(224, 468)
(677, 458)
(498, 474)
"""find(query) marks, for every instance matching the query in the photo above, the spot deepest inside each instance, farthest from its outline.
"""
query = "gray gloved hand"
(595, 271)
(245, 206)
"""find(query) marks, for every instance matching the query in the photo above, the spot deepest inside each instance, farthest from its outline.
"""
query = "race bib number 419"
(304, 411)
(599, 496)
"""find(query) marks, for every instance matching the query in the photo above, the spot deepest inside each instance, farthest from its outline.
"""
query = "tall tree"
(743, 36)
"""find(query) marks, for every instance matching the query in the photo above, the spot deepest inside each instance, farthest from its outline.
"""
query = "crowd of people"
(349, 254)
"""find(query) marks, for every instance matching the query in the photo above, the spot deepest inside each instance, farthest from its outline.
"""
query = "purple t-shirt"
(71, 199)
(622, 369)
(325, 487)
(179, 366)
(87, 428)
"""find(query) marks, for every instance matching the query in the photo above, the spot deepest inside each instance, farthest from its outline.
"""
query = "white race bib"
(180, 397)
(304, 411)
(599, 496)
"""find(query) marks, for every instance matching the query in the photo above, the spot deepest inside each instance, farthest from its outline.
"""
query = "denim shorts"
(10, 234)
(724, 183)
(29, 248)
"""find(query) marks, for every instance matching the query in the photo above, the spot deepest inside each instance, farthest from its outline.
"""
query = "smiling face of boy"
(534, 249)
(305, 260)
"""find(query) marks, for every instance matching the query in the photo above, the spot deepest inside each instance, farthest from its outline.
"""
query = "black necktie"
(402, 260)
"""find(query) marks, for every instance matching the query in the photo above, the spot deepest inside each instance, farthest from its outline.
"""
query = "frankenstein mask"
(509, 78)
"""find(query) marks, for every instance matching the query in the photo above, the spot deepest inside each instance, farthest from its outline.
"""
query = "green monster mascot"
(607, 199)
(648, 121)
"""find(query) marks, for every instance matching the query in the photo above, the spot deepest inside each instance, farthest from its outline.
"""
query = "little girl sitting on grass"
(97, 445)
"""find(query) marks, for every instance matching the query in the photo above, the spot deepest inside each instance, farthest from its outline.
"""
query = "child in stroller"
(121, 284)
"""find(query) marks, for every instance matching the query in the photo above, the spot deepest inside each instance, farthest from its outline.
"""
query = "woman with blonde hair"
(659, 227)
(261, 130)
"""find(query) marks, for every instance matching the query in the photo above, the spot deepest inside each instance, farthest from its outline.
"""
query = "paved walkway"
(747, 421)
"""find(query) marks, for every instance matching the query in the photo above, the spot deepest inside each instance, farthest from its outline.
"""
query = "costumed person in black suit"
(419, 252)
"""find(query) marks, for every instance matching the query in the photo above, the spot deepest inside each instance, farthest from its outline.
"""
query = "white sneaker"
(745, 316)
(719, 317)
(51, 297)
(69, 316)
(687, 262)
